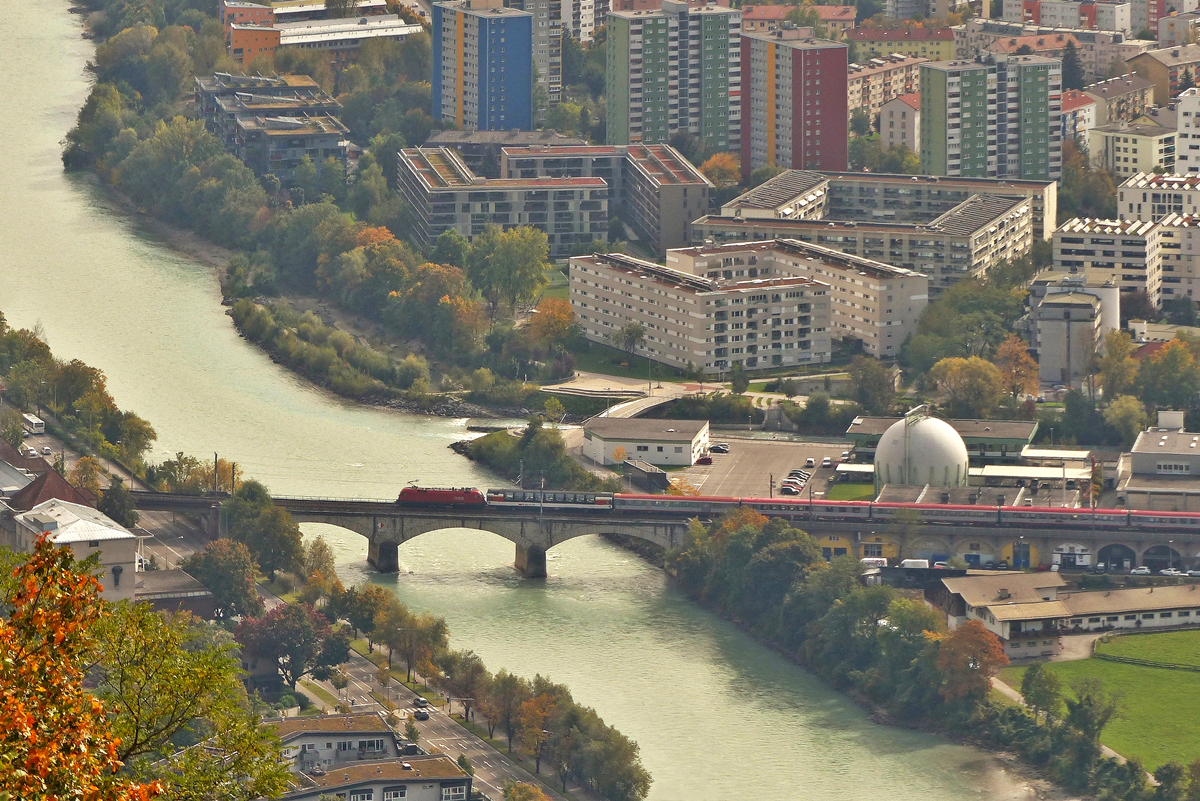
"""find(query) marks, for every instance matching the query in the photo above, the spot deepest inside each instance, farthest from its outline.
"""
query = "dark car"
(720, 447)
(788, 489)
(421, 714)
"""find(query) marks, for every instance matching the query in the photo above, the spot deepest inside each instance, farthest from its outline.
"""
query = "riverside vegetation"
(895, 654)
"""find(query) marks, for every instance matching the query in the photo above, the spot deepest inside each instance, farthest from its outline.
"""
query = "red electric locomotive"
(441, 496)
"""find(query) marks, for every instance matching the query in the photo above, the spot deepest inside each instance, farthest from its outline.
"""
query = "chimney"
(1004, 593)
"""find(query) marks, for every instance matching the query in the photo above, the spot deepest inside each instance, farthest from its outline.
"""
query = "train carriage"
(549, 499)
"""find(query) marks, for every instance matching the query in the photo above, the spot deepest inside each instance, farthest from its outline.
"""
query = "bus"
(34, 424)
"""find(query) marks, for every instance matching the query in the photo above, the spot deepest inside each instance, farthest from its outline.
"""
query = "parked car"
(1194, 573)
(789, 489)
(47, 450)
(704, 460)
(1171, 571)
(421, 714)
(940, 565)
(720, 447)
(826, 462)
(1001, 565)
(1055, 568)
(810, 462)
(845, 455)
(1140, 570)
(1100, 567)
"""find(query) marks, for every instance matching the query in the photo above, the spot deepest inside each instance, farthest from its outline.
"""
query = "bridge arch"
(1117, 553)
(1157, 557)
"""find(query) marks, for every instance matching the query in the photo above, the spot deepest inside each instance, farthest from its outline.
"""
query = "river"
(717, 715)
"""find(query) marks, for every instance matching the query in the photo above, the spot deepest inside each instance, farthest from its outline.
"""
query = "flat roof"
(893, 61)
(1005, 588)
(917, 180)
(1135, 130)
(224, 81)
(290, 126)
(1039, 610)
(1055, 453)
(791, 38)
(440, 169)
(664, 165)
(910, 33)
(1039, 473)
(637, 428)
(855, 469)
(687, 282)
(1173, 56)
(328, 30)
(790, 186)
(513, 138)
(794, 247)
(1035, 42)
(1161, 441)
(972, 429)
(975, 213)
(562, 151)
(1087, 225)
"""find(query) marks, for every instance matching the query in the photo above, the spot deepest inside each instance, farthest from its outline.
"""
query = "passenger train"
(800, 510)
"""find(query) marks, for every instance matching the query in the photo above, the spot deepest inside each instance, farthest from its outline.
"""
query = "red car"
(441, 496)
(704, 460)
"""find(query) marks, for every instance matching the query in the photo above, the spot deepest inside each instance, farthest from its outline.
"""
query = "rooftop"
(637, 428)
(912, 100)
(1129, 600)
(1036, 42)
(317, 31)
(353, 723)
(1006, 588)
(248, 103)
(1087, 225)
(485, 8)
(292, 126)
(1172, 56)
(72, 522)
(423, 768)
(664, 165)
(1121, 85)
(513, 138)
(440, 169)
(1074, 98)
(831, 13)
(910, 33)
(827, 256)
(799, 38)
(1038, 610)
(1168, 181)
(918, 180)
(789, 187)
(161, 584)
(1158, 441)
(959, 496)
(887, 63)
(974, 213)
(222, 82)
(967, 429)
(48, 486)
(767, 12)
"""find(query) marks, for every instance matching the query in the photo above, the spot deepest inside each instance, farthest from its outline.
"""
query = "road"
(440, 732)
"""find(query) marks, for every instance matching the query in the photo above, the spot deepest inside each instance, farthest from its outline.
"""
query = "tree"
(466, 678)
(410, 731)
(967, 659)
(362, 605)
(630, 336)
(860, 123)
(274, 539)
(228, 570)
(535, 715)
(1018, 370)
(739, 381)
(554, 409)
(12, 428)
(118, 503)
(318, 560)
(1118, 371)
(1172, 778)
(553, 324)
(1127, 415)
(522, 791)
(1072, 68)
(723, 169)
(871, 383)
(764, 174)
(502, 705)
(451, 248)
(1170, 379)
(1186, 80)
(85, 475)
(972, 386)
(508, 266)
(297, 638)
(55, 740)
(1042, 690)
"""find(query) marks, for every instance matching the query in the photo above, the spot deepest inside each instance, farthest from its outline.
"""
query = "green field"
(851, 492)
(1158, 720)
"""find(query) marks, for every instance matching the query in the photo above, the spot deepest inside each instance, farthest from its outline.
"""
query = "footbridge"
(386, 525)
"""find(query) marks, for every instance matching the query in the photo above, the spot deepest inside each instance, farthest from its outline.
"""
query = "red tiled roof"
(766, 12)
(49, 486)
(34, 464)
(911, 33)
(912, 100)
(1073, 99)
(1148, 350)
(834, 13)
(1037, 42)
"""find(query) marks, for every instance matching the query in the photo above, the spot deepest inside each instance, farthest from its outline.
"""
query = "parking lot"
(747, 469)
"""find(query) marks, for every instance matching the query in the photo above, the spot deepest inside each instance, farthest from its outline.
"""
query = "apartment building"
(958, 119)
(764, 19)
(208, 88)
(446, 195)
(482, 65)
(227, 109)
(339, 38)
(1098, 50)
(1132, 149)
(1071, 14)
(836, 20)
(878, 81)
(1078, 115)
(481, 150)
(935, 44)
(652, 187)
(900, 122)
(1029, 117)
(1165, 67)
(1151, 197)
(874, 303)
(793, 102)
(1069, 327)
(962, 243)
(675, 69)
(1121, 99)
(1050, 283)
(1187, 132)
(1129, 252)
(1180, 257)
(754, 319)
(790, 195)
(1177, 29)
(547, 33)
(277, 145)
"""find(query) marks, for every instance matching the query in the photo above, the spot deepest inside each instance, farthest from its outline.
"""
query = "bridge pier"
(383, 556)
(531, 561)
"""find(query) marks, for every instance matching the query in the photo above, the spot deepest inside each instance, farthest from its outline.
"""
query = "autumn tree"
(972, 386)
(361, 606)
(871, 383)
(228, 570)
(55, 740)
(12, 428)
(502, 704)
(1118, 370)
(1018, 370)
(553, 324)
(1127, 416)
(297, 638)
(1170, 379)
(967, 659)
(85, 475)
(723, 169)
(533, 718)
(523, 791)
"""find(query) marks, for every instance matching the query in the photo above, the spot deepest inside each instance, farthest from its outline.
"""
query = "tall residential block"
(548, 31)
(958, 119)
(482, 65)
(1029, 117)
(794, 101)
(676, 69)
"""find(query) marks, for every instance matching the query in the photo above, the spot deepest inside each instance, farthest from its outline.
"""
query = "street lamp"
(1170, 554)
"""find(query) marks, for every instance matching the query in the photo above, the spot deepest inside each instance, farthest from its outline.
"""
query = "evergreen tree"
(1072, 69)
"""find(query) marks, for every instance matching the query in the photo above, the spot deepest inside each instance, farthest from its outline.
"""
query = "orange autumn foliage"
(372, 235)
(54, 738)
(967, 659)
(552, 323)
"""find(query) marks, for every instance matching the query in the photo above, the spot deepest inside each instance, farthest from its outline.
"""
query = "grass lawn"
(1154, 723)
(851, 492)
(607, 360)
(559, 292)
(321, 693)
(1176, 647)
(277, 588)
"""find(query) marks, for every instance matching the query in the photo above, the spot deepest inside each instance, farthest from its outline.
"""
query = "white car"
(1171, 571)
(810, 462)
(826, 462)
(47, 450)
(1140, 571)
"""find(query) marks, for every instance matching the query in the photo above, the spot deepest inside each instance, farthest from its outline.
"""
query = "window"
(1166, 614)
(1131, 617)
(370, 745)
(642, 448)
(363, 795)
(1148, 616)
(874, 549)
(345, 745)
(395, 793)
(1093, 620)
(458, 793)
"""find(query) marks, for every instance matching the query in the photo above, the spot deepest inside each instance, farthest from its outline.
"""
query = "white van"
(923, 563)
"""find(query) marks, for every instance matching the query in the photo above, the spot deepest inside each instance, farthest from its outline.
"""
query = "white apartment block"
(900, 122)
(1180, 257)
(1071, 14)
(1151, 197)
(1132, 149)
(1129, 252)
(1187, 132)
(756, 319)
(1098, 49)
(872, 302)
(872, 84)
(1178, 29)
